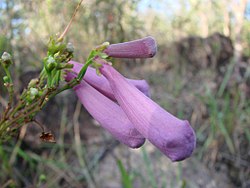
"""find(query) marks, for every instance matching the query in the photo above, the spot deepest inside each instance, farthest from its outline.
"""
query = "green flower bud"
(103, 46)
(33, 83)
(6, 79)
(70, 48)
(6, 59)
(51, 66)
(50, 63)
(50, 60)
(56, 55)
(33, 93)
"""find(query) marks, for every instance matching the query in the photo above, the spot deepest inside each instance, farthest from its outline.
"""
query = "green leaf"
(126, 179)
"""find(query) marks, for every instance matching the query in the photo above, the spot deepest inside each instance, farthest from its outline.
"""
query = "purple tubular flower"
(101, 83)
(108, 114)
(142, 48)
(172, 136)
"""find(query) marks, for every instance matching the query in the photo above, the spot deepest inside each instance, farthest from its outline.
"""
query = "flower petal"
(142, 48)
(108, 114)
(174, 137)
(101, 84)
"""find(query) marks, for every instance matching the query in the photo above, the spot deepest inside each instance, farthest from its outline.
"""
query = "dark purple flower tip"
(142, 48)
(172, 136)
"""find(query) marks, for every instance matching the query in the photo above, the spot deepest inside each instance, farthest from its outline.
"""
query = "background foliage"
(201, 73)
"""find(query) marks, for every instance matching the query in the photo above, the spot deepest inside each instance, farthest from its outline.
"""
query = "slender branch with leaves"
(50, 82)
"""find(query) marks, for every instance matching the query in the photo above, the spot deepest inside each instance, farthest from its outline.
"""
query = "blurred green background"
(201, 73)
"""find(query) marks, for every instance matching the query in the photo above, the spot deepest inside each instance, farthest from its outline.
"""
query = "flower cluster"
(124, 108)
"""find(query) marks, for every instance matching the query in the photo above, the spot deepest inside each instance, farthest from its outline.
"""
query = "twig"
(70, 22)
(39, 124)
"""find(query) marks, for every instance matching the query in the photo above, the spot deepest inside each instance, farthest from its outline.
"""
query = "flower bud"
(50, 64)
(6, 79)
(50, 60)
(57, 55)
(33, 82)
(33, 93)
(70, 48)
(142, 48)
(6, 59)
(102, 47)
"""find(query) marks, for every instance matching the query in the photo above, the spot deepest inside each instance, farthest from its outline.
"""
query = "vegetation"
(201, 73)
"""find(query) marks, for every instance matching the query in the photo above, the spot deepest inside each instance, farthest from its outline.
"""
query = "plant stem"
(70, 22)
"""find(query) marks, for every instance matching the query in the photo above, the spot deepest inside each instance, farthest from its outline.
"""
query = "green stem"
(10, 90)
(19, 105)
(49, 80)
(69, 85)
(6, 70)
(25, 115)
(56, 78)
(80, 76)
(85, 66)
(42, 77)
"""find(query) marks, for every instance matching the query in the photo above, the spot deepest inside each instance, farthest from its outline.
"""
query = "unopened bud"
(33, 82)
(56, 55)
(33, 93)
(50, 64)
(6, 79)
(6, 59)
(70, 47)
(50, 60)
(142, 48)
(103, 46)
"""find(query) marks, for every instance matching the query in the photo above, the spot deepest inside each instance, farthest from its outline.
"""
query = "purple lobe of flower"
(101, 83)
(174, 137)
(142, 48)
(108, 114)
